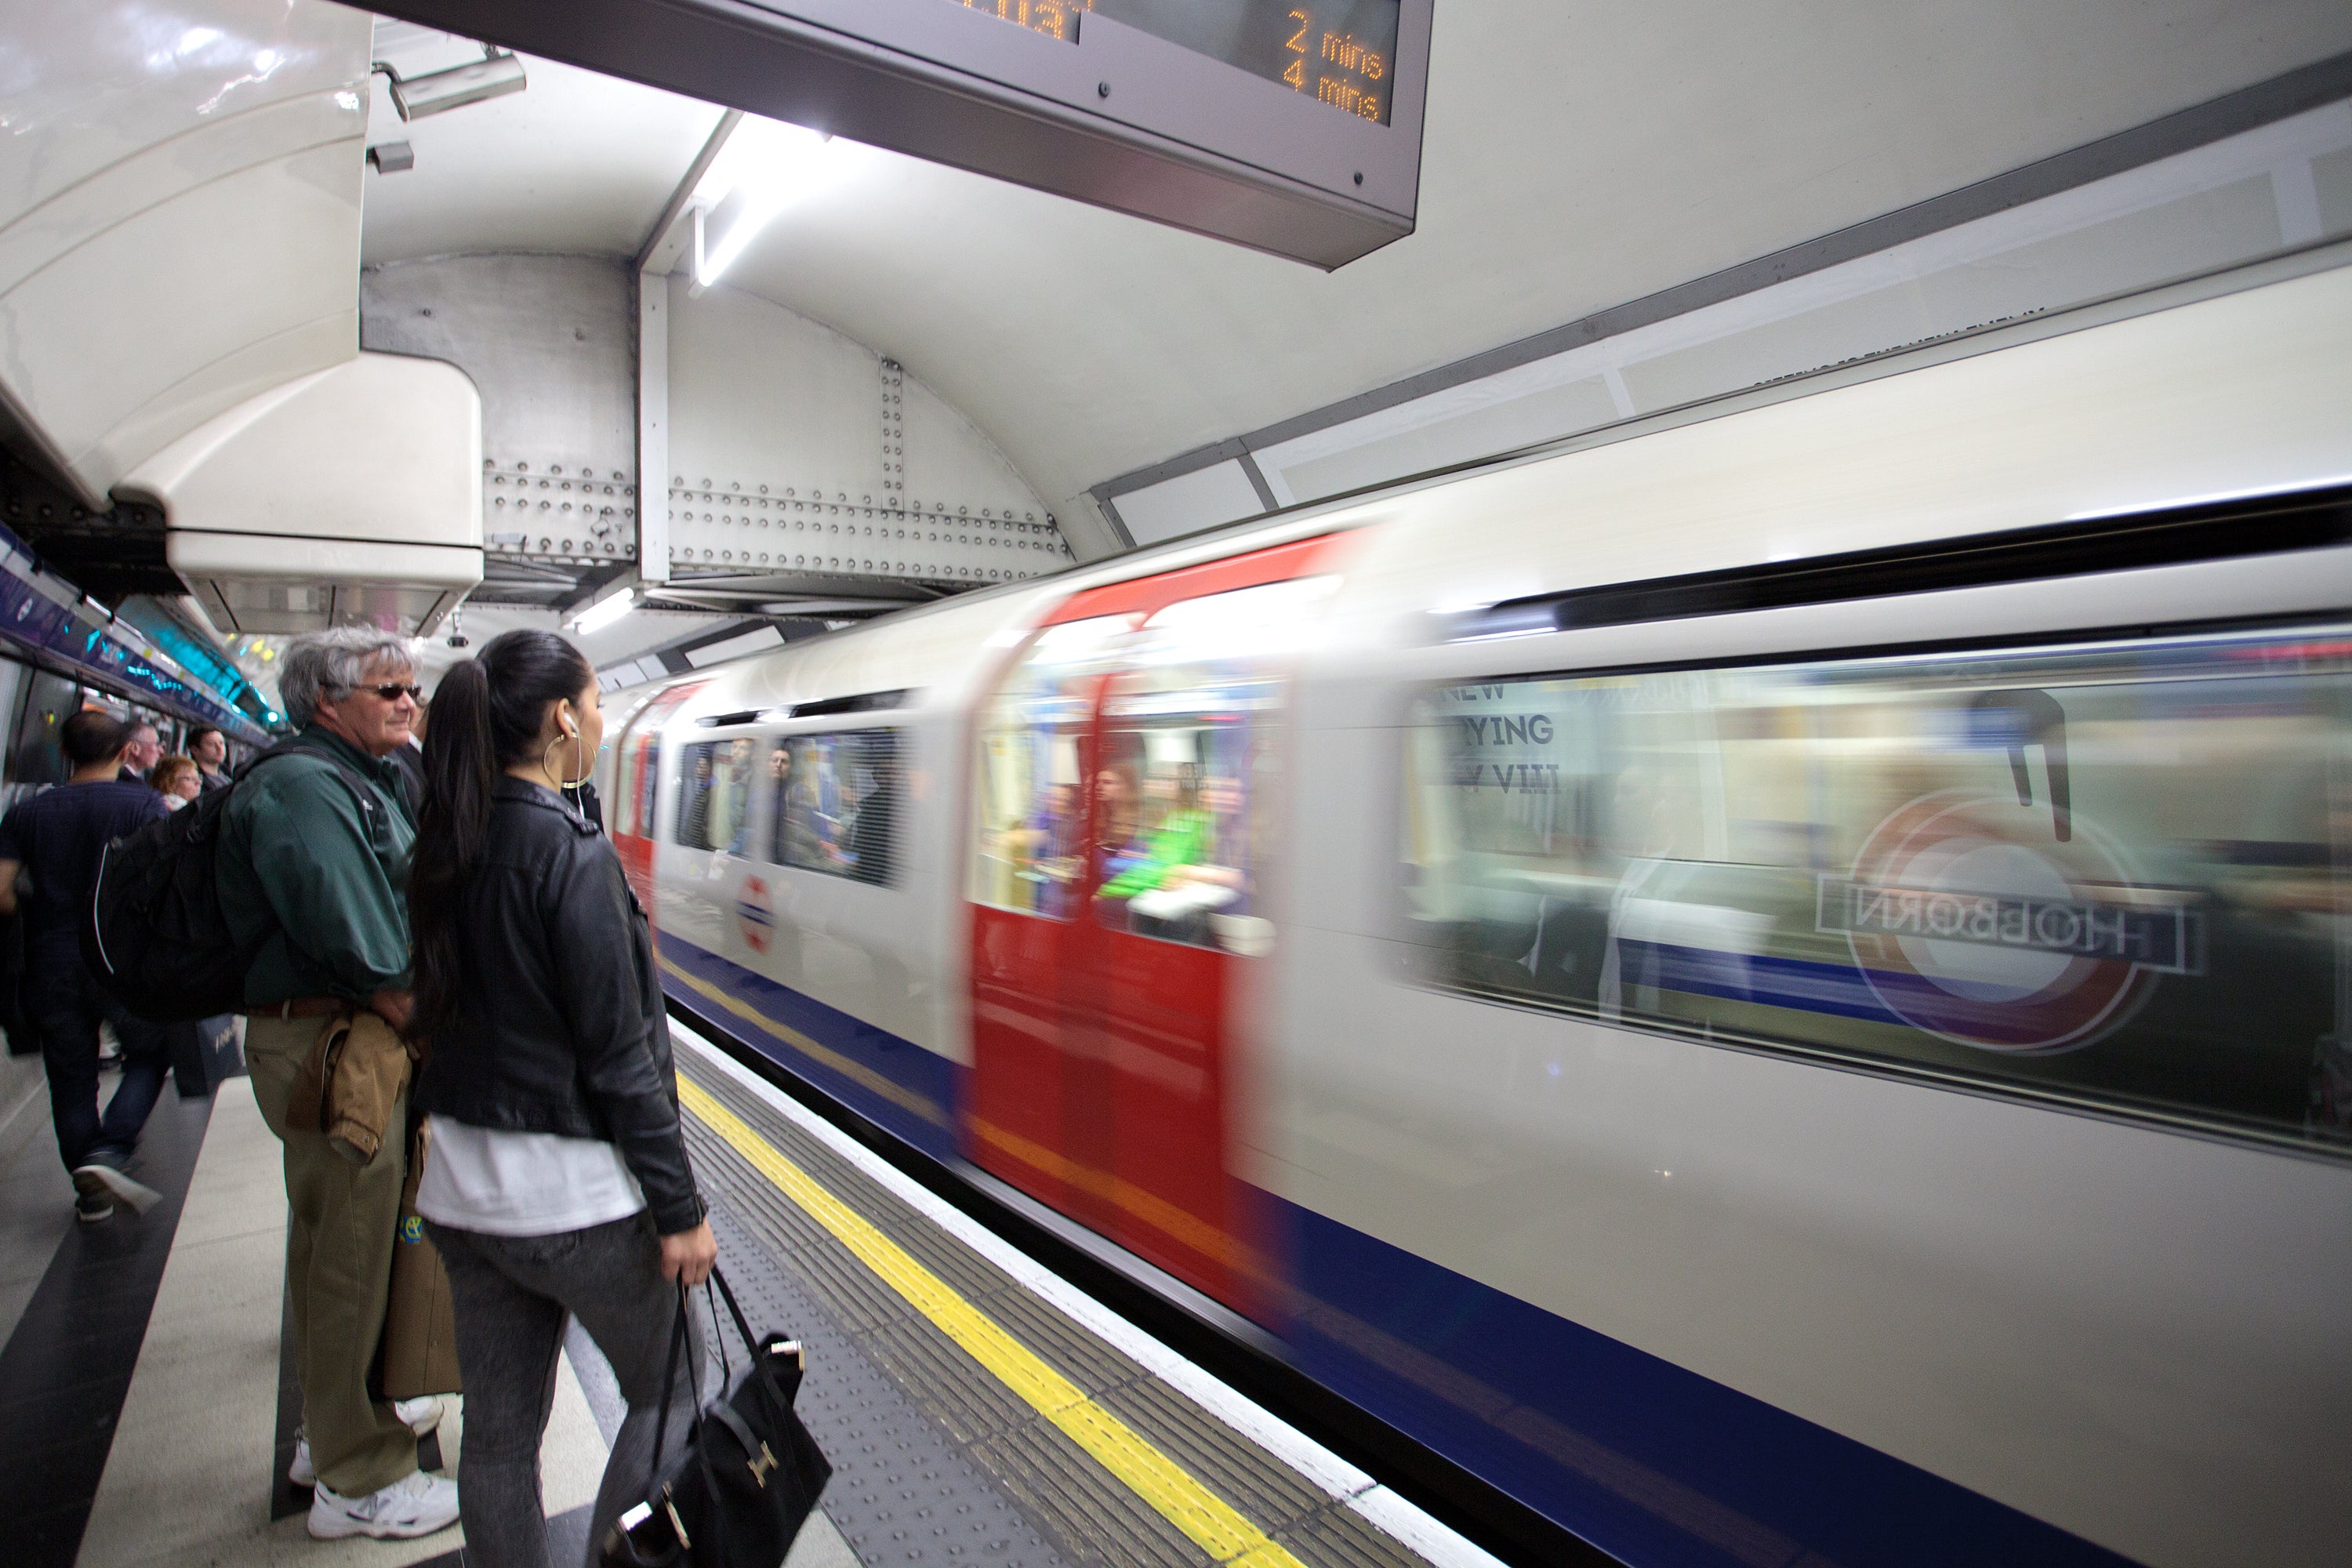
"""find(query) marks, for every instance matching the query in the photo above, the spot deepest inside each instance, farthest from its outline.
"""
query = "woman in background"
(176, 779)
(556, 1181)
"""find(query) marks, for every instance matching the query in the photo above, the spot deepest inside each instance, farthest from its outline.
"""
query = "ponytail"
(486, 716)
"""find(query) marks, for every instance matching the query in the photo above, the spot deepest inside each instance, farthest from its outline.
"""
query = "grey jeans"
(513, 1295)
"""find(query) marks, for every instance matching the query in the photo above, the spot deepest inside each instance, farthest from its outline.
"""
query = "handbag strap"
(679, 1350)
(750, 1344)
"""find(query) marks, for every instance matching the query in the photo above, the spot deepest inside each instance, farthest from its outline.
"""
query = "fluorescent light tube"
(604, 612)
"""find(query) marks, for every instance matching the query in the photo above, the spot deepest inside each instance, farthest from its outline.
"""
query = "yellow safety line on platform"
(1200, 1513)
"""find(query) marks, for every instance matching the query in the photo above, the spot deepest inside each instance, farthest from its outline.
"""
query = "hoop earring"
(563, 779)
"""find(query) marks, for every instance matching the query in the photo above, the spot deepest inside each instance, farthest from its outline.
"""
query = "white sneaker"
(422, 1414)
(98, 1178)
(417, 1504)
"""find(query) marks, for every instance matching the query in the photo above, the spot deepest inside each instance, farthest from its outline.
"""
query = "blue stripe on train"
(889, 1080)
(1804, 984)
(1647, 1461)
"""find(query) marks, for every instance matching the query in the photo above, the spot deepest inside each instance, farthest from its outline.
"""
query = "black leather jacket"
(560, 1026)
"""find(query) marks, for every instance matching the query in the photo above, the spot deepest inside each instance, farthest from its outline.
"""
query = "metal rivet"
(1102, 89)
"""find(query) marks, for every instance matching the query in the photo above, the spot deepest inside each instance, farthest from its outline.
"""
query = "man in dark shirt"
(209, 747)
(57, 837)
(144, 751)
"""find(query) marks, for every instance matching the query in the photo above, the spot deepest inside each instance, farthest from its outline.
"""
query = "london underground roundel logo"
(1973, 919)
(755, 915)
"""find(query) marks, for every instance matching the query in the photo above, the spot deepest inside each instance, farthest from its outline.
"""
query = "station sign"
(1289, 126)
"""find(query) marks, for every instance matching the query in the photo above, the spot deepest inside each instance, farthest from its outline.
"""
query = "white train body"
(1751, 1223)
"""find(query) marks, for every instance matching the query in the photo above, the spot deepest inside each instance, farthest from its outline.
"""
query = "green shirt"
(303, 872)
(1182, 840)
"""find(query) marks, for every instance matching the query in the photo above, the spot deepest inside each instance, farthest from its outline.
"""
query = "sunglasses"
(393, 692)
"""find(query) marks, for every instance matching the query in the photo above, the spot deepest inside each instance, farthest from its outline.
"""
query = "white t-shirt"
(523, 1183)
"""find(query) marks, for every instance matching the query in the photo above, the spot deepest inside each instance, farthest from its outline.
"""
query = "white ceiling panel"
(1575, 158)
(575, 163)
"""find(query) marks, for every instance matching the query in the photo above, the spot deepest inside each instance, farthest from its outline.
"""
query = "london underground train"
(1776, 987)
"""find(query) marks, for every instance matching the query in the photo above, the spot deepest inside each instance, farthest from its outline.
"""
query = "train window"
(640, 762)
(1188, 765)
(834, 803)
(715, 783)
(1028, 843)
(640, 770)
(2105, 873)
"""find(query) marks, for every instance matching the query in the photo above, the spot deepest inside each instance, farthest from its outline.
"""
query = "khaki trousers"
(338, 1267)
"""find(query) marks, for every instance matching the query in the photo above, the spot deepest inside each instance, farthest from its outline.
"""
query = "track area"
(980, 1410)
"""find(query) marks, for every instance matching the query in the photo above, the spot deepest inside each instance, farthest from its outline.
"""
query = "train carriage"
(1769, 986)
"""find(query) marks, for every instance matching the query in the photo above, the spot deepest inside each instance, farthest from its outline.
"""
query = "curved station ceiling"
(1574, 159)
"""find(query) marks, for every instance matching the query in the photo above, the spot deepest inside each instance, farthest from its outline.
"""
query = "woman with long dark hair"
(557, 1180)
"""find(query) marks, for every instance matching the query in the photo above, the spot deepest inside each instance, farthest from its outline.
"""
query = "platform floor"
(977, 1408)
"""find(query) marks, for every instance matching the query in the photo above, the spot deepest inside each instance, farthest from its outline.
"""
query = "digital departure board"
(1289, 126)
(1338, 52)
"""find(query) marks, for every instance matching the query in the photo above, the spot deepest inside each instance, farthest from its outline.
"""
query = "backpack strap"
(361, 788)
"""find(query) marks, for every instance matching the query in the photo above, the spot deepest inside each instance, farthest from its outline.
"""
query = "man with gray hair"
(313, 876)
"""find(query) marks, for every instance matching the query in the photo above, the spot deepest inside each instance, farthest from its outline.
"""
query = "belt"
(302, 1007)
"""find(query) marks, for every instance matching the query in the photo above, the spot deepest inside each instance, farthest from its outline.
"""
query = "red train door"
(1123, 780)
(636, 776)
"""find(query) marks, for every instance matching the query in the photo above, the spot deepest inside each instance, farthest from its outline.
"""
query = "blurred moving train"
(1776, 988)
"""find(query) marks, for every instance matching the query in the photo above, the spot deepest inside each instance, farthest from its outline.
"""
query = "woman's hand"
(688, 1255)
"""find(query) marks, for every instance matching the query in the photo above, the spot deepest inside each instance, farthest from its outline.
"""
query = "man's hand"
(395, 1007)
(687, 1257)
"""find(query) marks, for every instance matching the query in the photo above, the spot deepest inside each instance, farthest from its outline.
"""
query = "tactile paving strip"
(1081, 1509)
(900, 1493)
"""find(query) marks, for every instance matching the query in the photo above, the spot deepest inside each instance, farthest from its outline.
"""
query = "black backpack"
(154, 935)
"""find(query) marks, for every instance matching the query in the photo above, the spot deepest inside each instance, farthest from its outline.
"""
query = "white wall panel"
(948, 460)
(1202, 498)
(179, 216)
(358, 487)
(793, 448)
(547, 340)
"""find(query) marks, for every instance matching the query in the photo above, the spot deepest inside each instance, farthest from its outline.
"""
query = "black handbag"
(750, 1474)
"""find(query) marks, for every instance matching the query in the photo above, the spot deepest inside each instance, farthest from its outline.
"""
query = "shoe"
(419, 1504)
(300, 1471)
(423, 1413)
(93, 1207)
(100, 1175)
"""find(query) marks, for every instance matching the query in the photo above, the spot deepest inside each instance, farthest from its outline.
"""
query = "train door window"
(36, 759)
(834, 803)
(640, 769)
(641, 772)
(2105, 873)
(1028, 850)
(1189, 763)
(715, 783)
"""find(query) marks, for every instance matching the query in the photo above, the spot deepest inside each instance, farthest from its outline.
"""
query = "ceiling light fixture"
(495, 75)
(765, 167)
(604, 612)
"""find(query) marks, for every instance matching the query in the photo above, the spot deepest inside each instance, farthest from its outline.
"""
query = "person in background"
(145, 751)
(58, 835)
(556, 1183)
(694, 816)
(209, 747)
(313, 876)
(176, 779)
